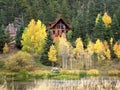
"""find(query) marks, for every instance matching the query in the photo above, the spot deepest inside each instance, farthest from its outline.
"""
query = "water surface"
(82, 84)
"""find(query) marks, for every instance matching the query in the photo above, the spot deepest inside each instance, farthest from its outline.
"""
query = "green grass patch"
(82, 74)
(61, 76)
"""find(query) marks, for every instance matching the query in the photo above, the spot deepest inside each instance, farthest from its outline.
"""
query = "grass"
(40, 74)
(43, 72)
(41, 66)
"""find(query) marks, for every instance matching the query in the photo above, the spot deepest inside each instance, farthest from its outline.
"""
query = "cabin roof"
(53, 24)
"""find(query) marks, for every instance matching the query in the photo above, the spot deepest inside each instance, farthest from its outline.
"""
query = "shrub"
(65, 71)
(93, 72)
(1, 64)
(5, 48)
(114, 72)
(64, 76)
(61, 76)
(82, 74)
(51, 75)
(70, 72)
(22, 76)
(20, 61)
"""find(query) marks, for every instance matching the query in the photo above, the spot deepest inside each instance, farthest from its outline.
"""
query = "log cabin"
(58, 27)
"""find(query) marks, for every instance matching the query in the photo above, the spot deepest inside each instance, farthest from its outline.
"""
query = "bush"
(93, 72)
(22, 76)
(20, 61)
(82, 74)
(61, 76)
(51, 75)
(1, 64)
(114, 72)
(74, 72)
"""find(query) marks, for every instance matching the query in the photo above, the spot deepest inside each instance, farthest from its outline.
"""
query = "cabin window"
(58, 26)
(66, 31)
(62, 31)
(58, 32)
(63, 26)
(53, 31)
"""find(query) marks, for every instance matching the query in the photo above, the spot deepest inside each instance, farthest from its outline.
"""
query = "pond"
(81, 84)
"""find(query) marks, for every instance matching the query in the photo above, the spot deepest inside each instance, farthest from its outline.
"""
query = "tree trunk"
(71, 63)
(52, 64)
(63, 63)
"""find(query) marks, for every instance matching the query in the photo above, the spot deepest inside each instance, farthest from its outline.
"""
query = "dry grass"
(5, 56)
(102, 66)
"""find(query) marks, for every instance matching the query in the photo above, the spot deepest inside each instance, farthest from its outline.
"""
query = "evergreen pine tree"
(65, 10)
(4, 37)
(79, 26)
(54, 7)
(115, 28)
(76, 30)
(19, 37)
(99, 30)
(69, 36)
(19, 33)
(44, 55)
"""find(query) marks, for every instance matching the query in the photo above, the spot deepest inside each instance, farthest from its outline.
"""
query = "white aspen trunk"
(62, 51)
(82, 61)
(66, 60)
(63, 66)
(90, 60)
(71, 63)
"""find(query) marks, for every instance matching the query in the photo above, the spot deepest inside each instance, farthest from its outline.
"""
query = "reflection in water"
(82, 84)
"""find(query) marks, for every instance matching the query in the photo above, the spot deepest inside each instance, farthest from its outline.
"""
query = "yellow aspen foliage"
(33, 38)
(98, 47)
(107, 19)
(97, 19)
(107, 50)
(79, 46)
(52, 54)
(64, 50)
(5, 48)
(111, 41)
(79, 49)
(90, 47)
(63, 47)
(63, 44)
(116, 49)
(89, 50)
(102, 57)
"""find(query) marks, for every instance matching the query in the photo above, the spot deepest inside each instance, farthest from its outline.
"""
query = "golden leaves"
(79, 46)
(97, 19)
(98, 47)
(5, 48)
(90, 47)
(111, 41)
(116, 49)
(34, 37)
(107, 19)
(107, 50)
(52, 54)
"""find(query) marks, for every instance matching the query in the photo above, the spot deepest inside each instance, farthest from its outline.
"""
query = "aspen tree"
(107, 19)
(52, 54)
(5, 48)
(33, 38)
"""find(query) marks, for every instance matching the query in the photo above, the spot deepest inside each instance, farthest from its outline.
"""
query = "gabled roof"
(52, 24)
